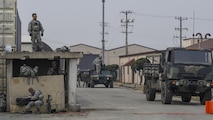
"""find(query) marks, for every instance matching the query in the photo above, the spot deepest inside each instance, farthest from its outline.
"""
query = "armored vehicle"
(105, 77)
(179, 72)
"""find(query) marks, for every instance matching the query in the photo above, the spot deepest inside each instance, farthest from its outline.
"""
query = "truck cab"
(181, 72)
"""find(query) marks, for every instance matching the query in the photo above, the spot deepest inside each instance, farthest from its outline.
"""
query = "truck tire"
(186, 98)
(92, 84)
(106, 85)
(88, 85)
(166, 94)
(111, 84)
(150, 92)
(206, 96)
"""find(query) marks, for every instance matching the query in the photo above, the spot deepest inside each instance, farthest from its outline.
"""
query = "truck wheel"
(150, 92)
(166, 94)
(106, 85)
(206, 96)
(88, 85)
(111, 84)
(186, 98)
(92, 84)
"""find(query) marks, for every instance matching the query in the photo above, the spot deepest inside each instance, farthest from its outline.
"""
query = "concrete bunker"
(62, 88)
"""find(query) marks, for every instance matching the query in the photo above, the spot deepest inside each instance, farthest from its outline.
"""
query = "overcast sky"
(71, 22)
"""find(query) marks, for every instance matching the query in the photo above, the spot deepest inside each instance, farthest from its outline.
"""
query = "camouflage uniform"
(35, 30)
(36, 100)
(97, 63)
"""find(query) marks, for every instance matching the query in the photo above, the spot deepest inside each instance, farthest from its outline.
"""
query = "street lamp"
(207, 34)
(200, 38)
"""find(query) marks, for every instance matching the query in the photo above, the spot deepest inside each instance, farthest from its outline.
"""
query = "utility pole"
(181, 28)
(125, 24)
(3, 26)
(103, 31)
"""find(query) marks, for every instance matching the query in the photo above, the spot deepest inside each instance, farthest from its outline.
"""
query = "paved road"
(126, 104)
(121, 104)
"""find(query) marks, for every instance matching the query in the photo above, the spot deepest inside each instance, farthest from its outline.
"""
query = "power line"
(201, 19)
(151, 15)
(163, 16)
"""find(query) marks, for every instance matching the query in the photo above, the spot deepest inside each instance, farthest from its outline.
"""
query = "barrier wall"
(48, 85)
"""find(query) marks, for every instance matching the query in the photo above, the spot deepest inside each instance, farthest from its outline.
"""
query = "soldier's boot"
(38, 110)
(26, 111)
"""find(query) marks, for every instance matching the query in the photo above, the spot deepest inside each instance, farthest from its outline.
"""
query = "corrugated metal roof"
(25, 39)
(208, 44)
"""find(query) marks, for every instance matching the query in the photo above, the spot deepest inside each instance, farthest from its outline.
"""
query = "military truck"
(179, 72)
(105, 77)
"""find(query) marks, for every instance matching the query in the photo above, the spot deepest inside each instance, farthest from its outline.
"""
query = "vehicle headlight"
(208, 84)
(177, 83)
(97, 78)
(107, 78)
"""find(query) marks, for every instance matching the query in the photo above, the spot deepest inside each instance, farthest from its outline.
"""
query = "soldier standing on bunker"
(36, 100)
(36, 30)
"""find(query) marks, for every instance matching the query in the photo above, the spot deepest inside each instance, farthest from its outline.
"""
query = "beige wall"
(85, 49)
(191, 41)
(114, 54)
(126, 75)
(111, 56)
(52, 85)
(26, 47)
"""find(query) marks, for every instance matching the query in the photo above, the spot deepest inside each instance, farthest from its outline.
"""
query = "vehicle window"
(105, 72)
(193, 57)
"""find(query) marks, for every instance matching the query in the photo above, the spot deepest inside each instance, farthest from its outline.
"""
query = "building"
(205, 44)
(127, 75)
(10, 34)
(86, 62)
(192, 41)
(111, 55)
(26, 44)
(10, 30)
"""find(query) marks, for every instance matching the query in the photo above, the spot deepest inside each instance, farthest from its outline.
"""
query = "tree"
(139, 64)
(113, 69)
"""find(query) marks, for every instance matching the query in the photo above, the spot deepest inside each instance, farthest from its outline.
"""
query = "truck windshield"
(105, 72)
(193, 57)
